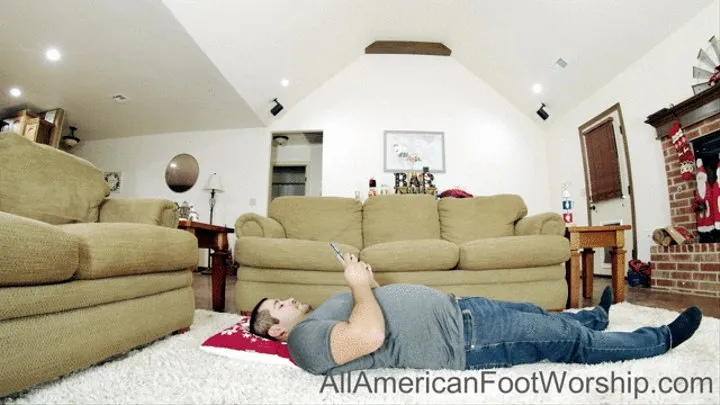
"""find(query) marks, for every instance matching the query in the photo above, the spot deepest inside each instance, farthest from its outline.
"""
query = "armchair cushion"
(294, 254)
(415, 255)
(548, 223)
(466, 219)
(326, 219)
(34, 252)
(43, 183)
(510, 252)
(252, 224)
(120, 249)
(140, 211)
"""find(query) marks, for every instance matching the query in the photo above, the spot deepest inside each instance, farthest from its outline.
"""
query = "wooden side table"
(586, 238)
(216, 238)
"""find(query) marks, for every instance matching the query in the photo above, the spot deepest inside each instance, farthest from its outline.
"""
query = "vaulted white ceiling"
(133, 47)
(511, 44)
(206, 64)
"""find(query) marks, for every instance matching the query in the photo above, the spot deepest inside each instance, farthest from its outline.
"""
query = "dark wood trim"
(689, 112)
(601, 228)
(585, 174)
(186, 224)
(589, 125)
(634, 252)
(606, 120)
(408, 48)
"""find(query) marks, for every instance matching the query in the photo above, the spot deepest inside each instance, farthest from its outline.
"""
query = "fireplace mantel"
(695, 109)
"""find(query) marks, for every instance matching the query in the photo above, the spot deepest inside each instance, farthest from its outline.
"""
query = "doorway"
(296, 160)
(608, 180)
(288, 181)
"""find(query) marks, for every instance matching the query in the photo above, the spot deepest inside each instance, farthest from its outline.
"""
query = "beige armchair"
(83, 277)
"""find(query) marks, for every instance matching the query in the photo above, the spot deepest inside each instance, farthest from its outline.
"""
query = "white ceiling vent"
(119, 98)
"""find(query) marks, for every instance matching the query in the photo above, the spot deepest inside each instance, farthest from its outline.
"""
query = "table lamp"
(214, 184)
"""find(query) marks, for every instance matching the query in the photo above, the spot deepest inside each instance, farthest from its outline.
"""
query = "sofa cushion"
(415, 255)
(121, 249)
(431, 278)
(544, 286)
(34, 252)
(511, 252)
(326, 219)
(467, 219)
(398, 217)
(47, 184)
(281, 253)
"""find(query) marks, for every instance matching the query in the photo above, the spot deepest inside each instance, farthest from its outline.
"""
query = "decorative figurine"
(703, 205)
(567, 205)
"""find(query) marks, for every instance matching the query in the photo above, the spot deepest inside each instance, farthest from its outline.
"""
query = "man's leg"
(501, 337)
(595, 318)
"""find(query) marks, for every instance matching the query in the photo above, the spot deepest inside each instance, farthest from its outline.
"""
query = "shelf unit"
(45, 127)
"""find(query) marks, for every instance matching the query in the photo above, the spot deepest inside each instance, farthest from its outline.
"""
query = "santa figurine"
(716, 199)
(704, 204)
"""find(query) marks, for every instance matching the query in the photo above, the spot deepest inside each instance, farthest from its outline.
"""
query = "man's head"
(274, 318)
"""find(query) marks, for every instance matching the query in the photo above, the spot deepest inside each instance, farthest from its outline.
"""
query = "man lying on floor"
(414, 326)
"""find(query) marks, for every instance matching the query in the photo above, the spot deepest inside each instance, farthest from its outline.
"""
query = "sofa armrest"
(251, 224)
(547, 223)
(140, 211)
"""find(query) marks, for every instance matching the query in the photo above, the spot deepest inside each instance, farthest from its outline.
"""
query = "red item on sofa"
(455, 193)
(237, 342)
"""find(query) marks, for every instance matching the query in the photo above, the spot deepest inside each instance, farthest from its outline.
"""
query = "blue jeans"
(503, 334)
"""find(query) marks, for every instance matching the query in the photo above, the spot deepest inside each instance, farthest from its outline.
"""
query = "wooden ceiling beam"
(408, 48)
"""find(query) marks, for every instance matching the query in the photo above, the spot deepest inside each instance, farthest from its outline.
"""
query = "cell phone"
(338, 253)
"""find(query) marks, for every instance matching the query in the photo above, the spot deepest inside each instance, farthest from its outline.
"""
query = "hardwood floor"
(635, 295)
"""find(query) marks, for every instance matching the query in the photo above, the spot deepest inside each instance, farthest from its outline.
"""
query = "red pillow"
(237, 342)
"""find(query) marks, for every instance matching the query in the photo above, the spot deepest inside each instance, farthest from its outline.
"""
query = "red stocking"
(685, 154)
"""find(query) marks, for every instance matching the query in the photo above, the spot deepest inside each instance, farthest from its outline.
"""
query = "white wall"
(490, 147)
(660, 77)
(240, 156)
(311, 154)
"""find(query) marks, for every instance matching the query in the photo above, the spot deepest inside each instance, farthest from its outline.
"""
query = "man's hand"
(364, 331)
(373, 283)
(358, 273)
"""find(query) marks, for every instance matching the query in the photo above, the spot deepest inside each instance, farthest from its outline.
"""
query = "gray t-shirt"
(423, 330)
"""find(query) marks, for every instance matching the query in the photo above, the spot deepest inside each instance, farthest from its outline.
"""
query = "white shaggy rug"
(175, 371)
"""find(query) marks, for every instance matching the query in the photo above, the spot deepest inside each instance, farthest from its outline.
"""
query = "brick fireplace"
(694, 268)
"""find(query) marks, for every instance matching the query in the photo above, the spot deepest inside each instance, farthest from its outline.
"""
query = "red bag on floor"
(639, 273)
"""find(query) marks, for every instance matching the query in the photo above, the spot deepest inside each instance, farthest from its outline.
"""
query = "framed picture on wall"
(407, 151)
(114, 181)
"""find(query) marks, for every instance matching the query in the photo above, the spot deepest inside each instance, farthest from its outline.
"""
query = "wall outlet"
(253, 201)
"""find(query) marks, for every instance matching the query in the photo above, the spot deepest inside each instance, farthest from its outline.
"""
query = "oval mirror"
(182, 173)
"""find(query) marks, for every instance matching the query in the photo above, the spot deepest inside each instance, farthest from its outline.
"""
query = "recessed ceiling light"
(285, 82)
(537, 88)
(52, 54)
(15, 92)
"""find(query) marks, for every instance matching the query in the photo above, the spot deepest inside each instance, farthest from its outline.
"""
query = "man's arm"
(364, 331)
